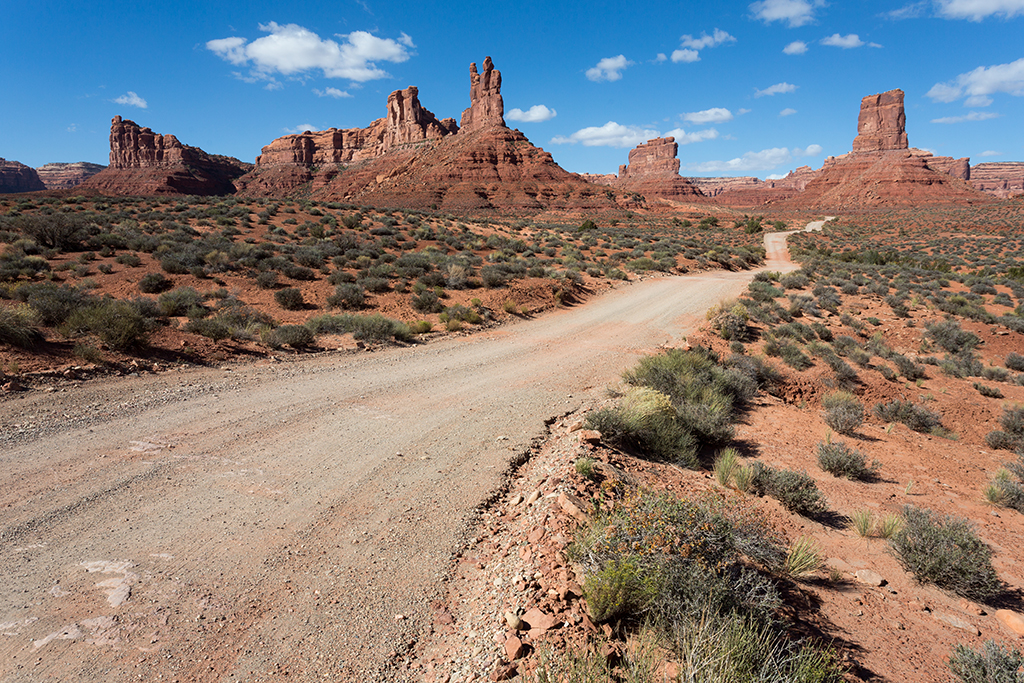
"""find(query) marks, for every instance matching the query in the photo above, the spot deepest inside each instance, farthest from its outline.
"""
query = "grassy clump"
(1011, 436)
(18, 326)
(840, 460)
(370, 328)
(917, 417)
(120, 325)
(797, 491)
(295, 336)
(990, 664)
(945, 551)
(843, 411)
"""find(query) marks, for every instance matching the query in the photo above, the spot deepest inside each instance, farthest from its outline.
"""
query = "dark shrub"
(267, 279)
(348, 296)
(945, 551)
(209, 327)
(840, 460)
(1015, 361)
(427, 302)
(371, 328)
(296, 336)
(950, 336)
(917, 417)
(154, 283)
(119, 324)
(290, 299)
(179, 301)
(797, 491)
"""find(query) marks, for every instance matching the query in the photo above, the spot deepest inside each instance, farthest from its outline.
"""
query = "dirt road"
(284, 518)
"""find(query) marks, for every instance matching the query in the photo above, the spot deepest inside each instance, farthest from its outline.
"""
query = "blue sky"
(751, 88)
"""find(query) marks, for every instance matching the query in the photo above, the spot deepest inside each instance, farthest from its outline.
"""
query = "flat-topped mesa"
(882, 124)
(486, 108)
(132, 146)
(1001, 179)
(63, 176)
(17, 177)
(652, 159)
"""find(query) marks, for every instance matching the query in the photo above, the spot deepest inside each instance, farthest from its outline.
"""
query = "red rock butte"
(17, 177)
(653, 171)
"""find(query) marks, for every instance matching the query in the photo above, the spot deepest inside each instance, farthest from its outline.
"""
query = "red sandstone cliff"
(17, 177)
(653, 171)
(1001, 179)
(146, 163)
(61, 176)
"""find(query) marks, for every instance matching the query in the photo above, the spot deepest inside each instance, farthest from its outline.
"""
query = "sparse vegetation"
(840, 460)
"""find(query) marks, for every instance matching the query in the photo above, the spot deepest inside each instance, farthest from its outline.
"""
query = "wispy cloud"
(787, 112)
(130, 99)
(301, 128)
(611, 134)
(990, 153)
(911, 11)
(777, 89)
(809, 151)
(764, 160)
(685, 56)
(684, 138)
(609, 69)
(973, 116)
(331, 92)
(793, 12)
(980, 84)
(291, 49)
(976, 10)
(846, 42)
(73, 128)
(717, 37)
(797, 47)
(714, 115)
(534, 114)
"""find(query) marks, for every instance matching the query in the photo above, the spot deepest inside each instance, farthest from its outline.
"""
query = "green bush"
(119, 324)
(154, 283)
(840, 460)
(990, 664)
(53, 303)
(347, 295)
(1015, 361)
(950, 336)
(646, 423)
(945, 551)
(917, 417)
(180, 301)
(17, 327)
(797, 491)
(296, 336)
(207, 327)
(267, 279)
(290, 299)
(427, 302)
(371, 328)
(618, 589)
(843, 411)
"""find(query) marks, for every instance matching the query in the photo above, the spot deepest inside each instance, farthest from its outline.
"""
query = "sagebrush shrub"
(945, 551)
(296, 336)
(843, 411)
(154, 283)
(989, 664)
(290, 299)
(840, 460)
(1015, 361)
(949, 335)
(917, 417)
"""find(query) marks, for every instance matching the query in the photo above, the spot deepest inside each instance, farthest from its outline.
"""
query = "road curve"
(239, 524)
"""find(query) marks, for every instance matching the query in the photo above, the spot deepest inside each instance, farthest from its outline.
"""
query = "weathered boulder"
(17, 177)
(1001, 179)
(882, 123)
(486, 108)
(62, 176)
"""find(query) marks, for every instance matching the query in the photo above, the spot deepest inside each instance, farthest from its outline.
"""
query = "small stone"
(504, 673)
(956, 622)
(869, 578)
(538, 620)
(532, 498)
(513, 621)
(573, 506)
(1011, 620)
(514, 648)
(515, 500)
(536, 535)
(589, 436)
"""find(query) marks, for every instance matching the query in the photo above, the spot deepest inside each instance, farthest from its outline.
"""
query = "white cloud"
(794, 12)
(331, 92)
(976, 10)
(684, 138)
(979, 84)
(990, 153)
(130, 99)
(714, 115)
(660, 58)
(775, 176)
(764, 160)
(301, 128)
(718, 37)
(610, 134)
(911, 11)
(686, 56)
(534, 114)
(609, 69)
(797, 47)
(778, 88)
(787, 112)
(291, 49)
(845, 42)
(741, 112)
(973, 116)
(810, 151)
(73, 128)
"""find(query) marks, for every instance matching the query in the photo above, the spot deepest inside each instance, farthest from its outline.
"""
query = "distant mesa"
(652, 171)
(17, 177)
(999, 179)
(146, 163)
(64, 176)
(412, 159)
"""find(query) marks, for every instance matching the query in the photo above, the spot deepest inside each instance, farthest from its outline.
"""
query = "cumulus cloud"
(660, 58)
(777, 89)
(609, 69)
(764, 160)
(684, 138)
(534, 114)
(794, 12)
(301, 128)
(610, 134)
(331, 92)
(990, 153)
(718, 37)
(978, 85)
(714, 115)
(976, 10)
(787, 112)
(809, 151)
(291, 49)
(686, 56)
(845, 42)
(797, 47)
(130, 99)
(741, 112)
(973, 116)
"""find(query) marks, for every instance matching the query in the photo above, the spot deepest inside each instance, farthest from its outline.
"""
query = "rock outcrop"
(957, 168)
(653, 171)
(882, 124)
(486, 108)
(410, 159)
(1001, 179)
(17, 177)
(63, 176)
(146, 163)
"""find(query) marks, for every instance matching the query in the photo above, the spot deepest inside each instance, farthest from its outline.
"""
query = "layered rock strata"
(146, 163)
(63, 176)
(653, 171)
(881, 125)
(1001, 179)
(17, 177)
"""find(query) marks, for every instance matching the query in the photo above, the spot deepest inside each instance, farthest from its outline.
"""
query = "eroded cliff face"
(1003, 179)
(653, 171)
(486, 107)
(882, 123)
(146, 163)
(63, 176)
(17, 177)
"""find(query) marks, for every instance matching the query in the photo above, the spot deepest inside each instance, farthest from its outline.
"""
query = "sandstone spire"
(486, 108)
(882, 123)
